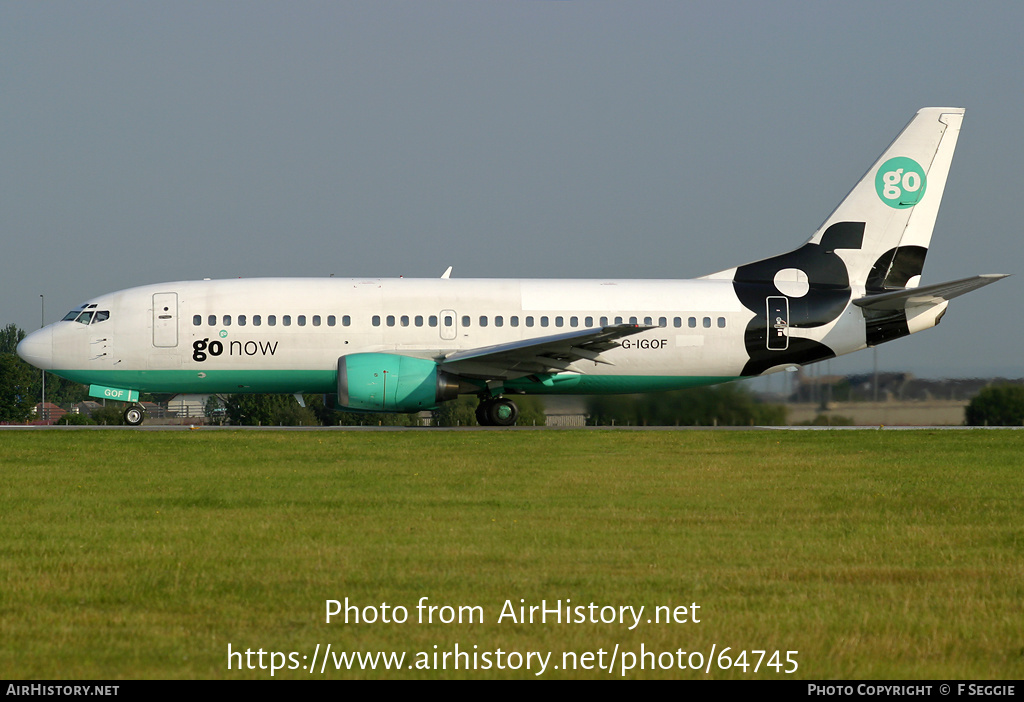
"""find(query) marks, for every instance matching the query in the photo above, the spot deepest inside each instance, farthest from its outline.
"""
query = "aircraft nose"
(37, 348)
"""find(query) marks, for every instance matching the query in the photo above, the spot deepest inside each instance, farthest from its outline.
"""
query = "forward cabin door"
(165, 320)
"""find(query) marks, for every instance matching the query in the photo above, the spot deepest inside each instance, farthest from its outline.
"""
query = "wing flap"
(543, 354)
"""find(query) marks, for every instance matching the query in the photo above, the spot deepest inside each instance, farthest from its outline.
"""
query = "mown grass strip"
(873, 554)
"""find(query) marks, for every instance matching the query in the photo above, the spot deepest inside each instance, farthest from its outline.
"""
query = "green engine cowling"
(386, 382)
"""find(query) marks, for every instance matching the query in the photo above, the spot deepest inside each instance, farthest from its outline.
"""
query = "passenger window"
(721, 322)
(574, 322)
(499, 321)
(301, 320)
(257, 320)
(618, 320)
(648, 321)
(227, 320)
(405, 320)
(588, 322)
(558, 321)
(346, 321)
(418, 321)
(513, 321)
(316, 320)
(544, 321)
(241, 320)
(433, 320)
(529, 321)
(271, 320)
(197, 320)
(691, 322)
(376, 320)
(465, 320)
(483, 320)
(662, 322)
(707, 322)
(390, 320)
(331, 321)
(212, 320)
(604, 321)
(286, 320)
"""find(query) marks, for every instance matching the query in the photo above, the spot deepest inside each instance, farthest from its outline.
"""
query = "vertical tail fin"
(898, 201)
(879, 234)
(875, 241)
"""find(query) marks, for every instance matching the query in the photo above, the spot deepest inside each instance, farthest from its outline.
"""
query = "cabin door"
(165, 320)
(778, 323)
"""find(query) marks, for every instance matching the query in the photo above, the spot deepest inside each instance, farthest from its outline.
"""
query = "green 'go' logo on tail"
(901, 182)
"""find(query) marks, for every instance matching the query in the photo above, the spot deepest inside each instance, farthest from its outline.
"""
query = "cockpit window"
(87, 316)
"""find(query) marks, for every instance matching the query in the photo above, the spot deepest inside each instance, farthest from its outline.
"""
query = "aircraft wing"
(926, 294)
(545, 354)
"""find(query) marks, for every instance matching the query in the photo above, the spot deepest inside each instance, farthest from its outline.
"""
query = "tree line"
(21, 385)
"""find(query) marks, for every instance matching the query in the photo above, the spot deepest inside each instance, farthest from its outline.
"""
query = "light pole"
(42, 323)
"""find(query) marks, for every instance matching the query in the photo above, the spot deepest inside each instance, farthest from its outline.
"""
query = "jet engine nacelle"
(386, 382)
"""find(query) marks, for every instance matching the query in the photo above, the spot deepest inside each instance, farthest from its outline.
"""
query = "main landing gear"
(134, 415)
(496, 412)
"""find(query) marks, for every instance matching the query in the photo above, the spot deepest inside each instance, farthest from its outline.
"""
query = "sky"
(161, 141)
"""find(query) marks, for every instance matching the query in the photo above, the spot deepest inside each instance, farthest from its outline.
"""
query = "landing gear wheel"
(481, 413)
(502, 412)
(134, 415)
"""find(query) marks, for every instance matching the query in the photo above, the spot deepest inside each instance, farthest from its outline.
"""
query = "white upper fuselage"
(285, 335)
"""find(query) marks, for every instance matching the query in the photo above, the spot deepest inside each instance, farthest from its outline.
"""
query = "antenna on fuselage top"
(447, 274)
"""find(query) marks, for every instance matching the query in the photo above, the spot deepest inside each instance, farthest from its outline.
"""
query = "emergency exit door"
(448, 324)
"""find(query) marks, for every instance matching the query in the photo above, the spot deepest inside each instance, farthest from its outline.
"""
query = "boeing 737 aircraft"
(405, 345)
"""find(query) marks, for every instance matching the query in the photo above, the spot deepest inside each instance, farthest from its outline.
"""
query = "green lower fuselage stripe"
(325, 381)
(216, 381)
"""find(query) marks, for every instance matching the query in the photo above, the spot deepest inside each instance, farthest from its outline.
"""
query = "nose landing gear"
(497, 412)
(134, 415)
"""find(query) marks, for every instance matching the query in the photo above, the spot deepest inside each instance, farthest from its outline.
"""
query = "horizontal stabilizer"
(926, 294)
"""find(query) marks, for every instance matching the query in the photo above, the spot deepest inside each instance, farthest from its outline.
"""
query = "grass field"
(873, 554)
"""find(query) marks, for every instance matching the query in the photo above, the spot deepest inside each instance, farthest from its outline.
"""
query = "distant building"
(887, 387)
(86, 407)
(565, 411)
(888, 399)
(153, 410)
(188, 405)
(48, 413)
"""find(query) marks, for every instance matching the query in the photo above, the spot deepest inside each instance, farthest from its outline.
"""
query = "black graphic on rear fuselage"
(828, 293)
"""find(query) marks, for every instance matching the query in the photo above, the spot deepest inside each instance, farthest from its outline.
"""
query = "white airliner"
(405, 345)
